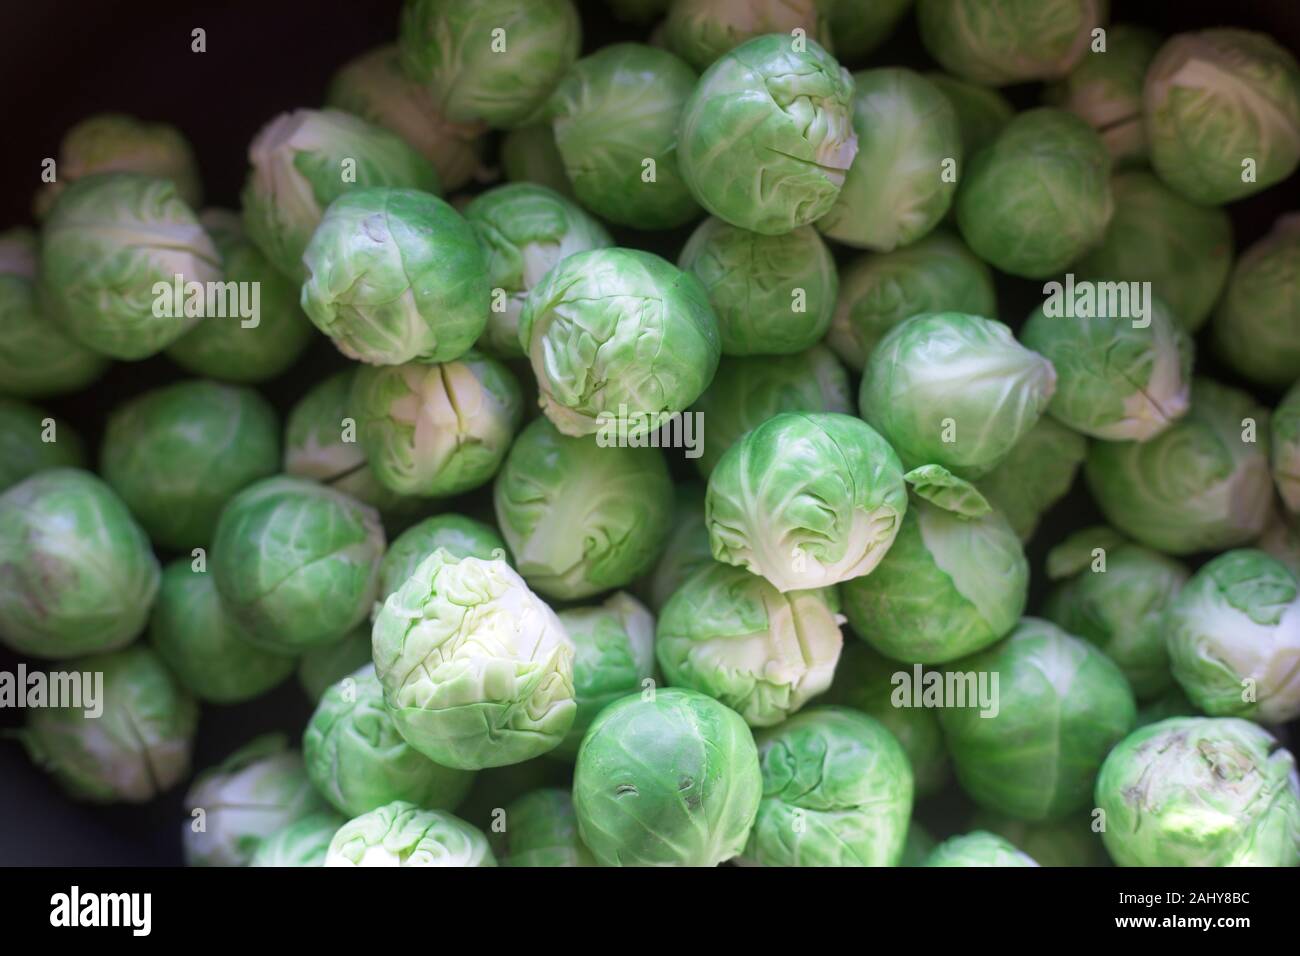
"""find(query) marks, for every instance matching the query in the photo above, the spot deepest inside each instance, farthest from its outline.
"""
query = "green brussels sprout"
(860, 26)
(1155, 235)
(477, 671)
(1117, 595)
(865, 681)
(954, 581)
(613, 656)
(1035, 475)
(458, 50)
(137, 746)
(221, 347)
(1009, 41)
(304, 160)
(111, 243)
(686, 550)
(1284, 449)
(979, 848)
(618, 334)
(302, 843)
(374, 87)
(896, 190)
(671, 779)
(254, 793)
(1198, 791)
(542, 830)
(1173, 703)
(772, 295)
(981, 112)
(118, 143)
(1256, 328)
(1105, 90)
(76, 572)
(767, 137)
(1119, 376)
(320, 668)
(177, 454)
(1011, 760)
(806, 499)
(1221, 104)
(880, 290)
(580, 518)
(402, 834)
(746, 392)
(358, 760)
(460, 536)
(1234, 638)
(496, 788)
(296, 563)
(525, 230)
(1009, 207)
(917, 847)
(954, 389)
(209, 653)
(732, 635)
(436, 430)
(1069, 842)
(700, 31)
(1200, 485)
(837, 791)
(529, 155)
(630, 178)
(24, 448)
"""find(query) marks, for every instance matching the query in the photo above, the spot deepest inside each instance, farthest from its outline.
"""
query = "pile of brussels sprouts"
(536, 640)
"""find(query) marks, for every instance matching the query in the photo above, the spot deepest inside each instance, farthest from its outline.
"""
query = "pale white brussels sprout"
(302, 843)
(806, 500)
(462, 537)
(700, 31)
(858, 27)
(1284, 449)
(979, 848)
(1035, 475)
(982, 112)
(477, 671)
(32, 440)
(402, 834)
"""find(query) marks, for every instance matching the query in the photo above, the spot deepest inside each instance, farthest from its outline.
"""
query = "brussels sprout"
(580, 518)
(772, 295)
(137, 747)
(1155, 235)
(1118, 377)
(1009, 207)
(529, 155)
(1256, 328)
(458, 51)
(613, 656)
(1196, 791)
(525, 230)
(1012, 760)
(460, 536)
(732, 635)
(302, 843)
(630, 178)
(865, 681)
(918, 846)
(1009, 41)
(436, 430)
(177, 454)
(618, 334)
(254, 793)
(859, 26)
(700, 31)
(1234, 638)
(542, 830)
(837, 791)
(1105, 90)
(1284, 449)
(1221, 104)
(896, 191)
(1200, 485)
(402, 834)
(686, 550)
(117, 143)
(76, 572)
(209, 653)
(1035, 475)
(374, 87)
(321, 668)
(954, 389)
(982, 113)
(806, 500)
(746, 392)
(24, 448)
(978, 849)
(304, 160)
(667, 780)
(296, 564)
(477, 671)
(1069, 842)
(767, 137)
(1117, 595)
(221, 347)
(110, 243)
